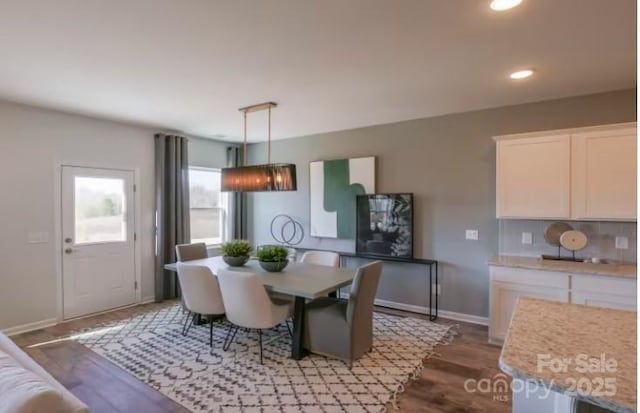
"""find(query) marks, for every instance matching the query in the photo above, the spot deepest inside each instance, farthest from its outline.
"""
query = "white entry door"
(98, 252)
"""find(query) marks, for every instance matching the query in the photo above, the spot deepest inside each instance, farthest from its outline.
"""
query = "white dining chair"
(201, 295)
(189, 252)
(326, 258)
(248, 305)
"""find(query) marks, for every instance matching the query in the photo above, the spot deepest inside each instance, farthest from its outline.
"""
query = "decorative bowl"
(235, 261)
(273, 266)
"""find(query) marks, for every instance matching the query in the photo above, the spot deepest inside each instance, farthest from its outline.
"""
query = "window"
(99, 210)
(208, 206)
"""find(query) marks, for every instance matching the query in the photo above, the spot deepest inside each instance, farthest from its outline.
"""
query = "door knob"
(68, 251)
(68, 240)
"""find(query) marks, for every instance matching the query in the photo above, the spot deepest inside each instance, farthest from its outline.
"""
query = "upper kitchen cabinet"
(604, 175)
(581, 174)
(533, 177)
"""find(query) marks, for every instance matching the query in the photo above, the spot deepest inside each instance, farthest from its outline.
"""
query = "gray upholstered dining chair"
(344, 329)
(201, 295)
(189, 252)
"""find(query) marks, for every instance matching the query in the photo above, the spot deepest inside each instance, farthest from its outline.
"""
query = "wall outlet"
(471, 234)
(622, 243)
(527, 238)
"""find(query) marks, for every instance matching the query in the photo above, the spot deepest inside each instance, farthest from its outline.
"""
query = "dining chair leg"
(260, 340)
(211, 332)
(286, 322)
(193, 320)
(186, 322)
(227, 341)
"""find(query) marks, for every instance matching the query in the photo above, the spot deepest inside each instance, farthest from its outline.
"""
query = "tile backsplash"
(601, 239)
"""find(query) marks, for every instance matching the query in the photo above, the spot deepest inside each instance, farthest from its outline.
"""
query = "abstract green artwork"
(334, 186)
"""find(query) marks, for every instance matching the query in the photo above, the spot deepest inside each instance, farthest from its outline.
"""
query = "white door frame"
(57, 219)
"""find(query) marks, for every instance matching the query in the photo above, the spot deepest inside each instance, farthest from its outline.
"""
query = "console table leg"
(435, 316)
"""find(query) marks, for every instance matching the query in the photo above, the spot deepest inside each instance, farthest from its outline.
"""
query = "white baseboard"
(147, 300)
(450, 315)
(25, 328)
(466, 318)
(38, 325)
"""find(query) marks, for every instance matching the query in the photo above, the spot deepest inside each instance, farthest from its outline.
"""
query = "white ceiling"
(330, 64)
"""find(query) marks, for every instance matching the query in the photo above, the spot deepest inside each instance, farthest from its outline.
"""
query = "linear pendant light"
(259, 178)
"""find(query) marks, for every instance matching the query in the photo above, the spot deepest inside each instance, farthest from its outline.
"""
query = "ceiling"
(331, 64)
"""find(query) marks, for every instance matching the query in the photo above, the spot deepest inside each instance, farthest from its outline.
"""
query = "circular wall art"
(286, 230)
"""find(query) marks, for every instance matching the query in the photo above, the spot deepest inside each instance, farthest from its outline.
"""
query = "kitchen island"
(567, 357)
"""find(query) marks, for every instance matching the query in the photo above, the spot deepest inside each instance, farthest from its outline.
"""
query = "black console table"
(433, 271)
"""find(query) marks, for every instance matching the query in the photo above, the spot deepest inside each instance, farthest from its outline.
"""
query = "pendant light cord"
(244, 150)
(269, 150)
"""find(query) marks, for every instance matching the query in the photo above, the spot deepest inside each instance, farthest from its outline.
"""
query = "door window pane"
(99, 210)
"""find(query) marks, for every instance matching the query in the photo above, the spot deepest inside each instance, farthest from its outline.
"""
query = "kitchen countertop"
(612, 270)
(552, 331)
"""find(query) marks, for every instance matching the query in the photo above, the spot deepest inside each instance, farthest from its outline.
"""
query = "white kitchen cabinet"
(533, 177)
(508, 284)
(536, 398)
(617, 302)
(577, 174)
(503, 302)
(604, 175)
(609, 292)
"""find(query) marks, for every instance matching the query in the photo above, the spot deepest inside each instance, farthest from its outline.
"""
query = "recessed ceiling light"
(500, 5)
(521, 74)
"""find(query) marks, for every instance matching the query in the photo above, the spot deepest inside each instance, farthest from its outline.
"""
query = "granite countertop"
(612, 270)
(544, 331)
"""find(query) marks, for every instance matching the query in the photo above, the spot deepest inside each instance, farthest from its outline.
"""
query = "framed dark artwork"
(384, 225)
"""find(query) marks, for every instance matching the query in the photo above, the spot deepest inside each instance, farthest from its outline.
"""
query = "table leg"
(430, 293)
(433, 315)
(437, 291)
(297, 346)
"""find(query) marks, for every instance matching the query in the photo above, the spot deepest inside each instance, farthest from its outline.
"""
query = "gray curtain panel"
(172, 208)
(238, 200)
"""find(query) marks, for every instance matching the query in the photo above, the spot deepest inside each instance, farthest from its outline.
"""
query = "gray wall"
(448, 162)
(208, 153)
(34, 142)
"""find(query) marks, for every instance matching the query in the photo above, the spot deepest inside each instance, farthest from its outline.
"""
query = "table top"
(302, 280)
(543, 332)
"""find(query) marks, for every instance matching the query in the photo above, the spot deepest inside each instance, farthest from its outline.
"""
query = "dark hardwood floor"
(106, 388)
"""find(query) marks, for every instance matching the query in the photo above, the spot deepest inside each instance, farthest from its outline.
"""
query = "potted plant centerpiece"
(273, 258)
(236, 252)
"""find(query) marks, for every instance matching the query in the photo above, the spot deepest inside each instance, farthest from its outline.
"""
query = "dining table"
(301, 281)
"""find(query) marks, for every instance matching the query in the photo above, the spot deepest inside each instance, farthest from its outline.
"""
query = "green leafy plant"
(272, 253)
(236, 248)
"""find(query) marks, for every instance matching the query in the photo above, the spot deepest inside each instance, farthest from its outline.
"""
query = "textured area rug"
(150, 346)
